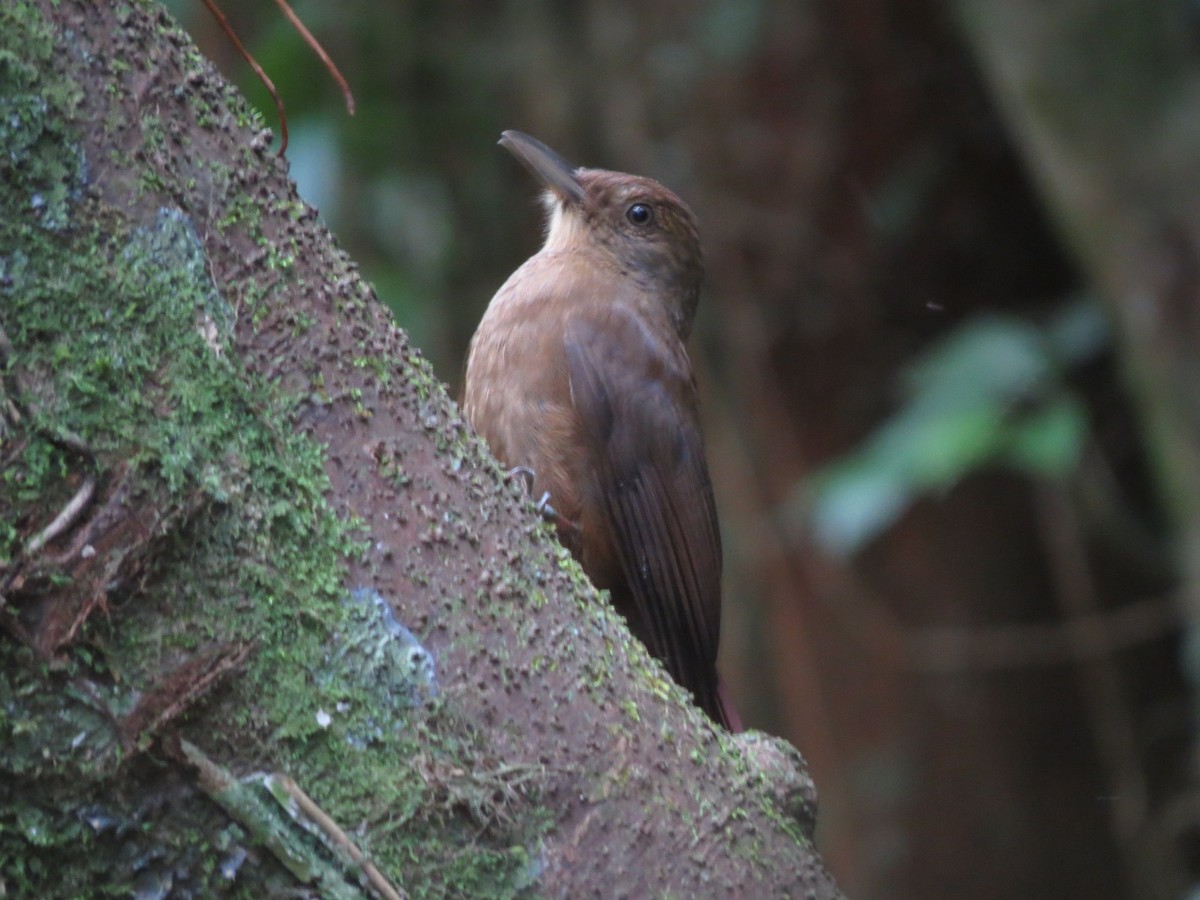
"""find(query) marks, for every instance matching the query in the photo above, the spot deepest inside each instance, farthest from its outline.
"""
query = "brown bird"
(578, 373)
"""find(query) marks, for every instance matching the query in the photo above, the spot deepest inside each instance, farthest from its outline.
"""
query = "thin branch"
(339, 837)
(949, 649)
(258, 70)
(1101, 686)
(64, 519)
(312, 42)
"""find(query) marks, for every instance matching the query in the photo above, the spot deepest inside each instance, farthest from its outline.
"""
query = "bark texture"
(273, 619)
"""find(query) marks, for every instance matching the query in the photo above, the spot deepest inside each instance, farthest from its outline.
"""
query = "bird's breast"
(517, 391)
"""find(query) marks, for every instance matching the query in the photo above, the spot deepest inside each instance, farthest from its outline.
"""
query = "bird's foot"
(523, 472)
(549, 513)
(545, 510)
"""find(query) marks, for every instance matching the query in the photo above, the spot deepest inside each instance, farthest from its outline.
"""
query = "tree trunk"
(274, 620)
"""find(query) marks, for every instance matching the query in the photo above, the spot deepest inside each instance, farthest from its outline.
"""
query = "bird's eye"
(640, 214)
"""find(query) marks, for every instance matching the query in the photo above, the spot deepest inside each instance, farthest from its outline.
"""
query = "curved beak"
(548, 167)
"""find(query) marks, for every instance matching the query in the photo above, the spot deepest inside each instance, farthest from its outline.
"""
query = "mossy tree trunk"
(272, 619)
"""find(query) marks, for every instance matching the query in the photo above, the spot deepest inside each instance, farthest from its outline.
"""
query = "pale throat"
(564, 227)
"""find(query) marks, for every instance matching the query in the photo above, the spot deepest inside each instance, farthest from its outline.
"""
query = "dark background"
(924, 457)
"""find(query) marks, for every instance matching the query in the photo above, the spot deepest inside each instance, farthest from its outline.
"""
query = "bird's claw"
(525, 473)
(549, 513)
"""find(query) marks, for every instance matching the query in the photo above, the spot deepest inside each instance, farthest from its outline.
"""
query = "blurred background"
(957, 568)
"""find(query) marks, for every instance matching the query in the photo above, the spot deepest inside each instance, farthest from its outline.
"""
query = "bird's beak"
(552, 170)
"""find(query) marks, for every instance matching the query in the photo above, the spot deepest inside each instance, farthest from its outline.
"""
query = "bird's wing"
(635, 397)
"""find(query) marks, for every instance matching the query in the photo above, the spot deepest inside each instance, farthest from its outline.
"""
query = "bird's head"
(647, 232)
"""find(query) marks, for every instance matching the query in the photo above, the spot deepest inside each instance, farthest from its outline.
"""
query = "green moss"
(41, 160)
(122, 342)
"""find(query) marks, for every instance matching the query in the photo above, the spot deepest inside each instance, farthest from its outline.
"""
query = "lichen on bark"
(291, 562)
(208, 560)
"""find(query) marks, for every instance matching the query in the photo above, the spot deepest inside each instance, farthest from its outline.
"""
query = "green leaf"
(990, 392)
(1049, 440)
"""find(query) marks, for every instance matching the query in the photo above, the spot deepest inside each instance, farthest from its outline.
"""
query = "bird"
(578, 376)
